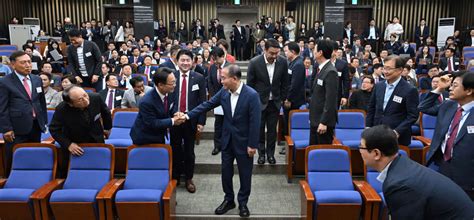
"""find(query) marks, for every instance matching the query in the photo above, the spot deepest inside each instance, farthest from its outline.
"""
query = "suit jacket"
(350, 37)
(239, 36)
(118, 97)
(269, 30)
(366, 33)
(461, 165)
(316, 34)
(213, 85)
(410, 51)
(392, 49)
(408, 196)
(400, 115)
(16, 107)
(468, 41)
(129, 101)
(258, 79)
(194, 32)
(344, 85)
(196, 89)
(153, 69)
(169, 64)
(323, 104)
(152, 121)
(418, 34)
(92, 59)
(68, 124)
(243, 128)
(257, 35)
(443, 63)
(296, 92)
(139, 60)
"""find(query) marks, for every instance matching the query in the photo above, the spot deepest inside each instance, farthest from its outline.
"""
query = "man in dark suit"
(469, 42)
(344, 84)
(198, 30)
(404, 182)
(217, 30)
(406, 49)
(214, 84)
(449, 62)
(190, 92)
(394, 102)
(269, 28)
(421, 33)
(240, 137)
(36, 61)
(371, 35)
(239, 38)
(323, 104)
(154, 116)
(112, 96)
(135, 59)
(81, 118)
(451, 147)
(172, 63)
(22, 106)
(84, 58)
(296, 92)
(268, 75)
(392, 46)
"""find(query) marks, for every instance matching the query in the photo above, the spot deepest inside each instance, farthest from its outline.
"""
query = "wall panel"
(10, 8)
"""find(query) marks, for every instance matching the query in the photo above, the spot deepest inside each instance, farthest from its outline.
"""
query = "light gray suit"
(129, 100)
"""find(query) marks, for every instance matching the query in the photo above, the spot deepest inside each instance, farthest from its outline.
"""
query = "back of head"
(381, 137)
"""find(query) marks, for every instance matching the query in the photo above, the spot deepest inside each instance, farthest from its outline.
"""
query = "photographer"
(216, 29)
(198, 30)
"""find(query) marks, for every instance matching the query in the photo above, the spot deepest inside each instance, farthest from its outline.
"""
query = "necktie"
(452, 134)
(440, 98)
(219, 74)
(182, 99)
(147, 71)
(165, 102)
(450, 67)
(135, 60)
(307, 72)
(111, 99)
(317, 72)
(28, 91)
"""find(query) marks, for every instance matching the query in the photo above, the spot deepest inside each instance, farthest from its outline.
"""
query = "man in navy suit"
(154, 115)
(172, 63)
(239, 37)
(147, 68)
(411, 191)
(449, 62)
(451, 147)
(135, 59)
(421, 33)
(22, 106)
(394, 102)
(406, 49)
(240, 136)
(112, 96)
(190, 92)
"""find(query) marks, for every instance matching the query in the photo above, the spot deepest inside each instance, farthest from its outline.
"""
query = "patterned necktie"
(28, 91)
(182, 100)
(111, 99)
(452, 134)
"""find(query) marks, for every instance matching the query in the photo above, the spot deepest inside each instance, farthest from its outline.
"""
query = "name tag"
(320, 82)
(397, 99)
(118, 98)
(52, 81)
(97, 117)
(456, 63)
(38, 90)
(139, 63)
(88, 54)
(290, 71)
(195, 87)
(470, 129)
(34, 65)
(339, 74)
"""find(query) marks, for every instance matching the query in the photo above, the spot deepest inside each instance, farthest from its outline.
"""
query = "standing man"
(133, 97)
(190, 93)
(421, 33)
(154, 116)
(84, 58)
(22, 106)
(404, 182)
(323, 105)
(451, 147)
(240, 40)
(214, 84)
(268, 75)
(344, 84)
(394, 102)
(112, 96)
(241, 107)
(371, 35)
(81, 118)
(296, 92)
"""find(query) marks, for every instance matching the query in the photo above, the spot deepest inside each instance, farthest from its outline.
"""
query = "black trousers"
(286, 113)
(182, 142)
(219, 120)
(315, 138)
(239, 49)
(33, 137)
(270, 119)
(245, 166)
(446, 169)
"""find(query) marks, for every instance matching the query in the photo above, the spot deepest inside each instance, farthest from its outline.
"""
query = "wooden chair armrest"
(307, 200)
(2, 182)
(46, 190)
(110, 189)
(368, 193)
(336, 141)
(289, 141)
(170, 190)
(424, 140)
(169, 200)
(49, 140)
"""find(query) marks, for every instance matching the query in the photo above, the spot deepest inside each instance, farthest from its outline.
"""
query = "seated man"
(132, 97)
(112, 96)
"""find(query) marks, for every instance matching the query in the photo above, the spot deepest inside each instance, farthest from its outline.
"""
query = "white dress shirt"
(271, 71)
(28, 80)
(113, 98)
(234, 98)
(383, 175)
(466, 109)
(372, 33)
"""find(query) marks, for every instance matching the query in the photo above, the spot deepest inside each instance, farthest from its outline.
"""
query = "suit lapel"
(263, 66)
(395, 92)
(239, 101)
(20, 86)
(469, 121)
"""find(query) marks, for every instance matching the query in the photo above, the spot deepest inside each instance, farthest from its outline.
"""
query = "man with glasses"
(394, 102)
(81, 118)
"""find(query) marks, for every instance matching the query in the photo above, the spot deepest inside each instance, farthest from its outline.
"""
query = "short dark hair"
(107, 78)
(217, 52)
(47, 75)
(293, 46)
(135, 80)
(234, 70)
(74, 33)
(69, 77)
(377, 65)
(381, 137)
(184, 52)
(399, 62)
(467, 79)
(161, 75)
(271, 43)
(372, 80)
(432, 66)
(223, 43)
(174, 49)
(16, 54)
(451, 49)
(42, 65)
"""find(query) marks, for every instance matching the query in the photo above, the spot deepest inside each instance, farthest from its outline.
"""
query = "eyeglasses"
(364, 148)
(389, 69)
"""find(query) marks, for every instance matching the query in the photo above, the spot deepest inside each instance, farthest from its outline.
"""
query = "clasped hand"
(179, 118)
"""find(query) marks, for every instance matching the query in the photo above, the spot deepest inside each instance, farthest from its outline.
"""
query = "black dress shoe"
(244, 211)
(224, 207)
(271, 160)
(283, 151)
(216, 151)
(261, 160)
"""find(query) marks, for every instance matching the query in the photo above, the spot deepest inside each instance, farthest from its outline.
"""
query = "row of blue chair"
(89, 191)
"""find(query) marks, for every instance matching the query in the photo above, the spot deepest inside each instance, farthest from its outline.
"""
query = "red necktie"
(182, 99)
(450, 67)
(135, 60)
(307, 72)
(165, 102)
(219, 74)
(28, 91)
(440, 98)
(452, 134)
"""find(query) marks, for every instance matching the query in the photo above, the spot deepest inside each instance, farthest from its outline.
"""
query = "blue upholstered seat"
(14, 194)
(120, 133)
(74, 195)
(429, 124)
(349, 128)
(415, 144)
(300, 129)
(139, 195)
(45, 136)
(337, 196)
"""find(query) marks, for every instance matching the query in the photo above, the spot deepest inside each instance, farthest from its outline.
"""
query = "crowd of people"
(168, 77)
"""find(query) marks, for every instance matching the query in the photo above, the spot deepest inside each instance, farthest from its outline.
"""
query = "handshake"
(179, 118)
